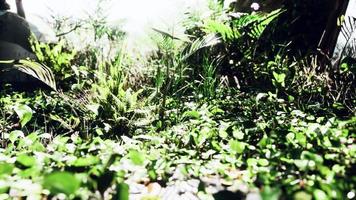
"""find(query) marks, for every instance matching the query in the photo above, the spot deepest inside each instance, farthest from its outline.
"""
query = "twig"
(71, 30)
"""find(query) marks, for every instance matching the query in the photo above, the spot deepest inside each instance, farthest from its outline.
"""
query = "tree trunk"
(15, 29)
(330, 35)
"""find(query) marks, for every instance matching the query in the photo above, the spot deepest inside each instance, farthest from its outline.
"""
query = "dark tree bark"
(15, 29)
(20, 9)
(306, 27)
(330, 35)
(15, 45)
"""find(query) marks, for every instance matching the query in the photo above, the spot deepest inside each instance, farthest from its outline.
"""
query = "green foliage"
(274, 136)
(61, 182)
(123, 191)
(54, 56)
(226, 32)
(237, 146)
(57, 58)
(316, 152)
(25, 160)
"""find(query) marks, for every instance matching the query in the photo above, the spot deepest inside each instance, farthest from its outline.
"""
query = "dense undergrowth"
(212, 115)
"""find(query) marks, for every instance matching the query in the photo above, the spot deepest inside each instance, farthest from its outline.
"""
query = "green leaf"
(94, 108)
(260, 96)
(15, 135)
(223, 134)
(25, 160)
(280, 78)
(269, 193)
(29, 172)
(201, 43)
(123, 191)
(291, 98)
(290, 137)
(252, 162)
(263, 162)
(37, 146)
(263, 142)
(85, 161)
(237, 146)
(24, 113)
(301, 195)
(136, 157)
(301, 164)
(6, 169)
(32, 68)
(338, 169)
(38, 71)
(191, 114)
(61, 182)
(238, 134)
(301, 138)
(312, 156)
(320, 195)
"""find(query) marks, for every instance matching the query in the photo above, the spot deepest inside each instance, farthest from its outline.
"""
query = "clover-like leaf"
(24, 113)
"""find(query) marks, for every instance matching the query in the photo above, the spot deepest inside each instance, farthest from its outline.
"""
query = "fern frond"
(169, 35)
(255, 24)
(32, 68)
(201, 43)
(225, 31)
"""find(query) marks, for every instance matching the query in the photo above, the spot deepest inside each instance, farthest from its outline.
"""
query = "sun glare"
(136, 13)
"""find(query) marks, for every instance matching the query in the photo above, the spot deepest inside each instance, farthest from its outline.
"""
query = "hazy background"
(136, 17)
(139, 16)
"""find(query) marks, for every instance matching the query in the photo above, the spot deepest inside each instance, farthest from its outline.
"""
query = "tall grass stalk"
(208, 84)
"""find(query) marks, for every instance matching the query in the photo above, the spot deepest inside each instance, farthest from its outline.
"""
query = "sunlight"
(137, 13)
(135, 17)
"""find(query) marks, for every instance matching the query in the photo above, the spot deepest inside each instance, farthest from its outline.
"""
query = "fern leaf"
(32, 68)
(201, 43)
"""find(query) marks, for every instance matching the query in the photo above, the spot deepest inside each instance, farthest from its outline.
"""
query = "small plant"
(208, 84)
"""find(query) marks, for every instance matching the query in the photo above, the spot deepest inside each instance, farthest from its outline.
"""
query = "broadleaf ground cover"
(205, 118)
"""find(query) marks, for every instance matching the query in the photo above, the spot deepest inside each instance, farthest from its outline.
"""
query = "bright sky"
(138, 13)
